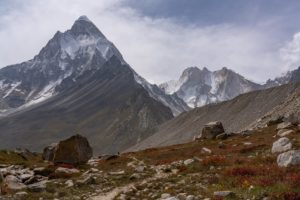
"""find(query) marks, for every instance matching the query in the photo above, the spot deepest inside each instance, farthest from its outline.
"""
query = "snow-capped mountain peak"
(65, 58)
(198, 87)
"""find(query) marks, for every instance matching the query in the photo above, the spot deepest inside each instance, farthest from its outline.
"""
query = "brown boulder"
(212, 129)
(74, 150)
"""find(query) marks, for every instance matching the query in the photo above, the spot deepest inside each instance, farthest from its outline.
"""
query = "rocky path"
(115, 192)
(112, 194)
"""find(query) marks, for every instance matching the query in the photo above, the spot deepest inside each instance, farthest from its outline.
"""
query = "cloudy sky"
(259, 39)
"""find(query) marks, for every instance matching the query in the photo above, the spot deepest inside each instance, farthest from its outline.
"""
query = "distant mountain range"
(199, 87)
(80, 83)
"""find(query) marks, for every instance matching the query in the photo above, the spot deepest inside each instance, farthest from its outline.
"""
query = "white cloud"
(290, 53)
(158, 49)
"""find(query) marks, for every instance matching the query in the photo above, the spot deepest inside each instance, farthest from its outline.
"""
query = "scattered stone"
(165, 195)
(247, 143)
(289, 158)
(212, 129)
(25, 177)
(190, 197)
(284, 125)
(181, 196)
(171, 198)
(284, 132)
(117, 173)
(140, 169)
(221, 145)
(94, 170)
(20, 195)
(88, 179)
(37, 187)
(93, 162)
(69, 183)
(281, 145)
(13, 183)
(34, 179)
(74, 150)
(41, 171)
(188, 162)
(223, 194)
(134, 176)
(206, 150)
(68, 171)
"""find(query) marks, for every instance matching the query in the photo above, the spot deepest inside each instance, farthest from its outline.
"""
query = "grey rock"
(212, 129)
(284, 132)
(289, 158)
(69, 183)
(37, 187)
(13, 183)
(88, 179)
(223, 193)
(20, 195)
(64, 170)
(171, 198)
(281, 145)
(165, 195)
(188, 161)
(284, 125)
(190, 197)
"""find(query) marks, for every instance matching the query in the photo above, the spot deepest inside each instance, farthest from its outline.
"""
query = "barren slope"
(235, 114)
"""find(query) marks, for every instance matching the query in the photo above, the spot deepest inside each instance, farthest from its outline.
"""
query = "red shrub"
(241, 171)
(291, 196)
(214, 161)
(293, 179)
(264, 182)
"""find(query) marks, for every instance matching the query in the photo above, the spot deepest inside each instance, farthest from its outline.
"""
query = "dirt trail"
(115, 192)
(112, 194)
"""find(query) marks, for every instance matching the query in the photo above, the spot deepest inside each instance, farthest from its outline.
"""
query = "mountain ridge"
(198, 87)
(65, 57)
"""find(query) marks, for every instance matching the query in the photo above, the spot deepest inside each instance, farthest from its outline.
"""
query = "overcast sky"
(159, 38)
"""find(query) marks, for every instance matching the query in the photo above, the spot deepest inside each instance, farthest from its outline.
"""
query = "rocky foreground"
(254, 164)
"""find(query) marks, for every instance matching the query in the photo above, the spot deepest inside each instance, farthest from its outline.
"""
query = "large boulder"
(281, 145)
(289, 158)
(74, 150)
(49, 151)
(212, 129)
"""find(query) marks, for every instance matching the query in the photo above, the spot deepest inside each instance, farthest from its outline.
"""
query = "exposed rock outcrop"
(211, 130)
(74, 150)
